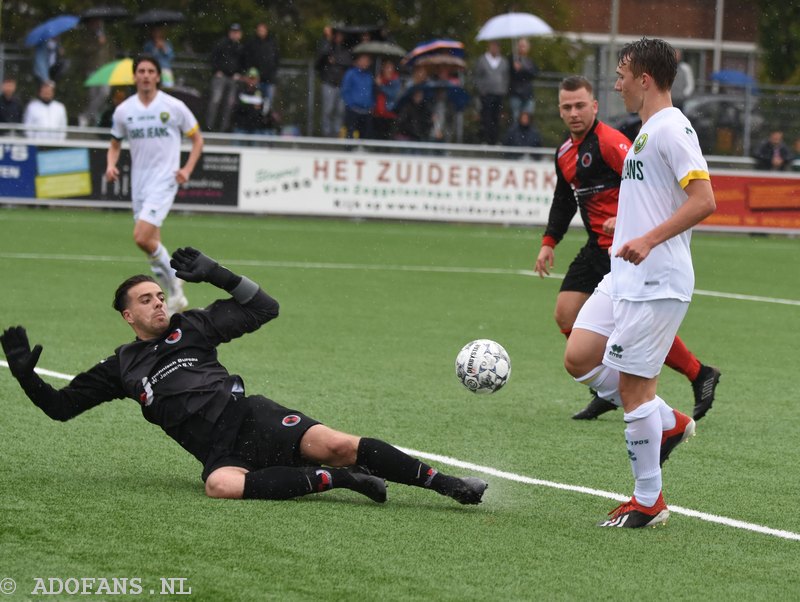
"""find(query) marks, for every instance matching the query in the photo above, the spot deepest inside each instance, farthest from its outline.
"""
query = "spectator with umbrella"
(359, 97)
(387, 93)
(160, 47)
(155, 22)
(521, 75)
(48, 57)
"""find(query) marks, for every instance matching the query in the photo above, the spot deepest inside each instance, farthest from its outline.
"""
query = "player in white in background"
(153, 122)
(625, 329)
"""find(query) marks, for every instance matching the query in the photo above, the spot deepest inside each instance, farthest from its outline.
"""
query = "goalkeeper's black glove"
(21, 358)
(192, 266)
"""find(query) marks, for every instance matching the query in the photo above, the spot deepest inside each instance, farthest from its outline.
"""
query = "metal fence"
(730, 122)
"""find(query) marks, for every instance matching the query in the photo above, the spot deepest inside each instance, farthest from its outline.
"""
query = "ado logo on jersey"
(164, 116)
(639, 144)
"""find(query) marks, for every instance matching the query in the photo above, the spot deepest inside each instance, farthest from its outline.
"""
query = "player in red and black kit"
(588, 167)
(250, 446)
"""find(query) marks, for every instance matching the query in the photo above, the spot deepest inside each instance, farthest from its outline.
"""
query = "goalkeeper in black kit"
(249, 446)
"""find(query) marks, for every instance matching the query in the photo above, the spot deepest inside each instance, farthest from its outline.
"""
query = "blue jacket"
(357, 90)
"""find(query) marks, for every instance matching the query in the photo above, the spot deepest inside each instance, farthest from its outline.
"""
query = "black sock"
(284, 482)
(388, 462)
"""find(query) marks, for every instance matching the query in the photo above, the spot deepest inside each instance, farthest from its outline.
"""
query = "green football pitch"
(372, 317)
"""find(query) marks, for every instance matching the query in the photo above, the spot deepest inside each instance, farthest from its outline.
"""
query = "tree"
(779, 37)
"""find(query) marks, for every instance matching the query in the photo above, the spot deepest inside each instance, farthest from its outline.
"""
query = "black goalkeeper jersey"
(177, 378)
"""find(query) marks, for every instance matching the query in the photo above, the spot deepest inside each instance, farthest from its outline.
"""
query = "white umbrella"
(513, 25)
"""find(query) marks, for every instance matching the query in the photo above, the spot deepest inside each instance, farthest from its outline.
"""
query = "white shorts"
(640, 333)
(153, 206)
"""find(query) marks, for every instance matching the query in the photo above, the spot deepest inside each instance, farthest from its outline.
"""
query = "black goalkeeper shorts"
(586, 271)
(255, 432)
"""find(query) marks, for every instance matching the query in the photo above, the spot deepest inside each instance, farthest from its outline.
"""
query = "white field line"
(510, 476)
(375, 267)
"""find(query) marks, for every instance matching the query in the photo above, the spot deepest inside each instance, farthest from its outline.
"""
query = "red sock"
(681, 359)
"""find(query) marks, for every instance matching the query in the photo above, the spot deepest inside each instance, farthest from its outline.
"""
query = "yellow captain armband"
(694, 175)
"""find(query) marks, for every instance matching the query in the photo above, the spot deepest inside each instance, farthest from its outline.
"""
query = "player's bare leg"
(568, 304)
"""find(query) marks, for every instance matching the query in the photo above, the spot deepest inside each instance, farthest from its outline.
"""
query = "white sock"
(605, 381)
(159, 263)
(668, 420)
(643, 437)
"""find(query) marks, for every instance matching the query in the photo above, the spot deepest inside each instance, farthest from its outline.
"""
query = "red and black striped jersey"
(588, 177)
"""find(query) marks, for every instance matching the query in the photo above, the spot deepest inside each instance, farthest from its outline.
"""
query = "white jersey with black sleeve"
(661, 162)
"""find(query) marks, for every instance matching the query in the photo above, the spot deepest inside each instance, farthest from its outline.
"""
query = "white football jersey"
(154, 134)
(661, 162)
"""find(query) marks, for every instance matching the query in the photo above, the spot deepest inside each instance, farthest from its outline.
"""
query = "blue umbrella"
(732, 77)
(50, 29)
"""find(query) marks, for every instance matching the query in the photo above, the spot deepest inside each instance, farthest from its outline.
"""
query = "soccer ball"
(483, 366)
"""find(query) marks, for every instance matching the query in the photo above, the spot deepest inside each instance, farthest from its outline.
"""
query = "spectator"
(773, 153)
(261, 52)
(491, 80)
(252, 114)
(10, 105)
(46, 112)
(388, 91)
(683, 86)
(48, 60)
(115, 98)
(521, 75)
(160, 47)
(95, 50)
(226, 64)
(359, 98)
(523, 132)
(333, 61)
(414, 120)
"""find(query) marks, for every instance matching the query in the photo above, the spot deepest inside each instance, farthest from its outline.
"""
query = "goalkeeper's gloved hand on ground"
(192, 266)
(21, 358)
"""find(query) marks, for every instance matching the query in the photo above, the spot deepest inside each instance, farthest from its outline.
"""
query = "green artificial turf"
(372, 317)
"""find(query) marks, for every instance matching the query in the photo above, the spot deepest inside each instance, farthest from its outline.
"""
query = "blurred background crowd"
(426, 72)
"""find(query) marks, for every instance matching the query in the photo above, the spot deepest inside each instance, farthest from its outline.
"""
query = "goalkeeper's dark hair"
(573, 83)
(121, 296)
(655, 57)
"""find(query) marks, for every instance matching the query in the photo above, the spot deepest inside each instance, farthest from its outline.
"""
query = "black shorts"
(255, 432)
(586, 271)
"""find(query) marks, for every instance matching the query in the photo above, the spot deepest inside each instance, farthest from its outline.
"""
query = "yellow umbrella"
(115, 73)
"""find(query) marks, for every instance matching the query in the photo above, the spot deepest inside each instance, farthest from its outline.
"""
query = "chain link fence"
(730, 122)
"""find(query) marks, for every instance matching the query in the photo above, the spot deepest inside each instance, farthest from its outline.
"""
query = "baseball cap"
(253, 72)
(235, 27)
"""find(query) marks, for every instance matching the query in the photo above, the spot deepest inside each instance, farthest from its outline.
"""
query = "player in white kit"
(153, 123)
(625, 329)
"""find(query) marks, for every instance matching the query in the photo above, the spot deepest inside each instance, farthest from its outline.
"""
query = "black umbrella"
(158, 16)
(106, 13)
(354, 34)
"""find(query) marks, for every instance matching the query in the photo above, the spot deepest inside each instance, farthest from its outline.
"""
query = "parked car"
(718, 119)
